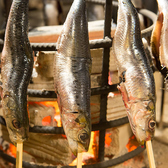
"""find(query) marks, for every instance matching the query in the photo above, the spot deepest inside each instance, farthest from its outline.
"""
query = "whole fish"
(17, 64)
(159, 38)
(136, 78)
(72, 77)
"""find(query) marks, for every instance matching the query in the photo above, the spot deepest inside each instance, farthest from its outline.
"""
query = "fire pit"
(47, 143)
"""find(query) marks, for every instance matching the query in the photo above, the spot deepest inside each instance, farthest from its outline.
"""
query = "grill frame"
(105, 88)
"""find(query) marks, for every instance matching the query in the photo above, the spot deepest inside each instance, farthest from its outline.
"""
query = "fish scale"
(17, 65)
(72, 77)
(137, 84)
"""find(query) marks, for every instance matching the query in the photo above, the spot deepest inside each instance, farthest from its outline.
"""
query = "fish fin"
(122, 77)
(124, 93)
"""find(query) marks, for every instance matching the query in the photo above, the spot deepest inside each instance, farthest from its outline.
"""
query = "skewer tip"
(79, 160)
(19, 154)
(150, 154)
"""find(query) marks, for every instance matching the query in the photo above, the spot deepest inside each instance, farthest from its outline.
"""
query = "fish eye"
(152, 124)
(16, 124)
(6, 95)
(83, 137)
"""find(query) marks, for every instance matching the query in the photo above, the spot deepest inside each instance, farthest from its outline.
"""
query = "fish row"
(72, 66)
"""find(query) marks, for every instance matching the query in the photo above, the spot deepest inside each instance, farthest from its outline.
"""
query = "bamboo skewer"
(19, 154)
(150, 154)
(79, 160)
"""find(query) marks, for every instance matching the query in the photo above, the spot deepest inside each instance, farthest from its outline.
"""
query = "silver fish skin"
(17, 64)
(137, 83)
(72, 67)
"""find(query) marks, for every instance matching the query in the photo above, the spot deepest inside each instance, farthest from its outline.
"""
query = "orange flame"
(109, 79)
(12, 150)
(108, 140)
(47, 120)
(48, 104)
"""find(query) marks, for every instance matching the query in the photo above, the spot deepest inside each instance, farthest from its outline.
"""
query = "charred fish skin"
(137, 82)
(17, 64)
(72, 77)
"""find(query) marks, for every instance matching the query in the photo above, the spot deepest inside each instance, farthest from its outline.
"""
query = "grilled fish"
(17, 65)
(136, 78)
(159, 38)
(72, 77)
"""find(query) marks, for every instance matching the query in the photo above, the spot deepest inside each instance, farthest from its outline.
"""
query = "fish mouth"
(142, 142)
(15, 139)
(80, 149)
(77, 147)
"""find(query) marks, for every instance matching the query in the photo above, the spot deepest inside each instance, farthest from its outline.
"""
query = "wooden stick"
(150, 154)
(79, 160)
(19, 154)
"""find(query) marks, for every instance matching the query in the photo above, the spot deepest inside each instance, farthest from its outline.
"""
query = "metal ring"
(52, 94)
(59, 130)
(104, 164)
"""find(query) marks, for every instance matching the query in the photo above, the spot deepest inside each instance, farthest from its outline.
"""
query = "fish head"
(77, 129)
(16, 123)
(142, 119)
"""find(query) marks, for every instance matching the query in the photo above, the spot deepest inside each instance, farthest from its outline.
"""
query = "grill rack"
(105, 88)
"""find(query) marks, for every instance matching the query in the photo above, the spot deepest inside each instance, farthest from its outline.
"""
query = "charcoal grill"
(103, 91)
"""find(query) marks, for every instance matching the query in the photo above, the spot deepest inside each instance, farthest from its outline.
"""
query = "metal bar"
(104, 164)
(100, 43)
(105, 70)
(96, 1)
(89, 1)
(59, 130)
(147, 32)
(52, 94)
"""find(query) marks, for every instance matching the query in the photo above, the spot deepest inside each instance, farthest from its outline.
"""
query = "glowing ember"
(108, 140)
(12, 150)
(132, 144)
(46, 120)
